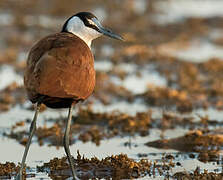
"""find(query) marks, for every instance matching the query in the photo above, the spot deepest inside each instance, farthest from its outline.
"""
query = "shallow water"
(135, 77)
(8, 76)
(178, 10)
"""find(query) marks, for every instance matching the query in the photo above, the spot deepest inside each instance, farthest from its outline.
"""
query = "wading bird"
(60, 71)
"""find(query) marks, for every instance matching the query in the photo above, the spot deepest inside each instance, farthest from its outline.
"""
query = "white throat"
(76, 26)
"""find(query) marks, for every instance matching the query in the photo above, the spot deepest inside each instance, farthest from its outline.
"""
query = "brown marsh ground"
(156, 112)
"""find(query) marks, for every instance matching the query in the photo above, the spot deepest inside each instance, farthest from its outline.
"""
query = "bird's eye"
(91, 22)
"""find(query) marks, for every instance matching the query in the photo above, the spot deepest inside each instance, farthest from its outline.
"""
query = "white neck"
(76, 26)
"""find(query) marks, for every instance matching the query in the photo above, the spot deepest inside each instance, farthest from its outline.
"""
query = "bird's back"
(60, 69)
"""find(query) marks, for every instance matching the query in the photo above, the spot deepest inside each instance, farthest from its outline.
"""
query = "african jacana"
(60, 71)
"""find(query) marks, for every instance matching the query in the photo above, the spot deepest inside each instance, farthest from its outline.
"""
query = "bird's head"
(87, 26)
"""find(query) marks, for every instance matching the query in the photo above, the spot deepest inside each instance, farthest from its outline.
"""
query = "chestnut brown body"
(60, 71)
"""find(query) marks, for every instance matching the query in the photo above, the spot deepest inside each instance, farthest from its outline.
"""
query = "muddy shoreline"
(156, 111)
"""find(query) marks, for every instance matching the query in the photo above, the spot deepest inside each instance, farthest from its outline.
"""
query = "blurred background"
(165, 82)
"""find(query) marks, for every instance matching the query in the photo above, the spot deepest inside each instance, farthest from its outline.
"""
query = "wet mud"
(158, 96)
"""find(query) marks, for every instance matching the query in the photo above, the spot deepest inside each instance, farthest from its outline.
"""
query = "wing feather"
(65, 68)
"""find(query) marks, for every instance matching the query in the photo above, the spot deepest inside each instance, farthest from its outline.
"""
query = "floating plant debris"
(207, 144)
(8, 169)
(182, 116)
(117, 166)
(104, 125)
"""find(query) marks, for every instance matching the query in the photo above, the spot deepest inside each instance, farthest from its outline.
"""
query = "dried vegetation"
(190, 86)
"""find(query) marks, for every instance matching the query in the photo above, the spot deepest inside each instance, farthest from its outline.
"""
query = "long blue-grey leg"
(66, 141)
(31, 133)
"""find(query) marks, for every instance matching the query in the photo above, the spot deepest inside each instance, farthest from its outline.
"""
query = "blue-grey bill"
(109, 33)
(106, 32)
